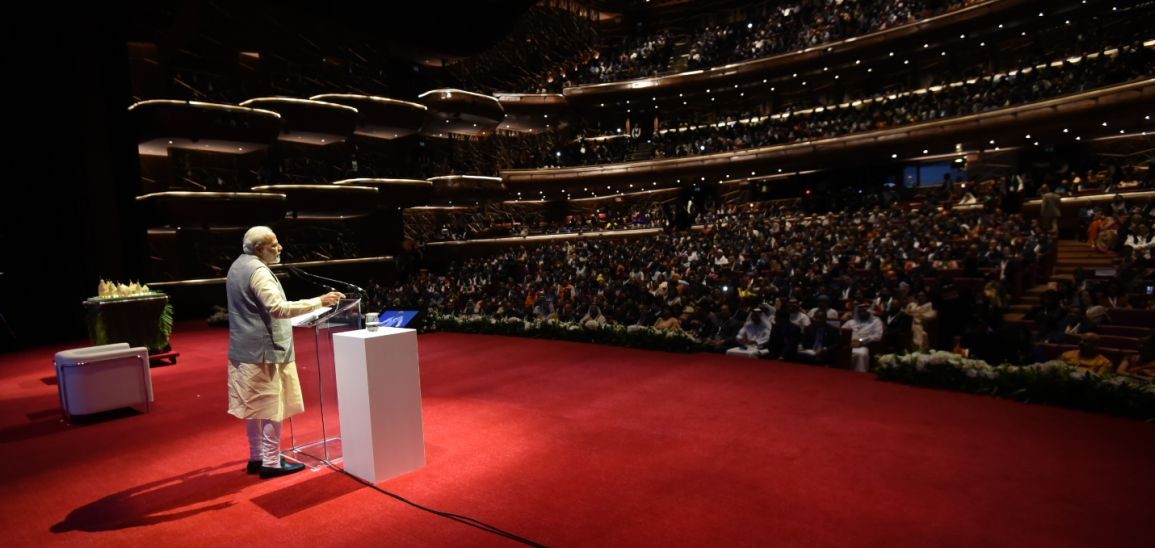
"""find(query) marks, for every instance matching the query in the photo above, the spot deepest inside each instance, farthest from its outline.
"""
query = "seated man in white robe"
(865, 328)
(752, 337)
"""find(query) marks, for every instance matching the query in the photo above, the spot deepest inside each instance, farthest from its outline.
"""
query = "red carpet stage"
(581, 445)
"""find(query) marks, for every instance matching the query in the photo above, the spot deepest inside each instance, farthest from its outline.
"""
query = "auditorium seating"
(815, 116)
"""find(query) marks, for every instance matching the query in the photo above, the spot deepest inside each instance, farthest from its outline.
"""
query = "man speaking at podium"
(263, 384)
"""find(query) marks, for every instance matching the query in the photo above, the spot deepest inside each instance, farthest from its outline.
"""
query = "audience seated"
(785, 335)
(1051, 77)
(1087, 356)
(1141, 365)
(758, 31)
(820, 344)
(865, 328)
(753, 336)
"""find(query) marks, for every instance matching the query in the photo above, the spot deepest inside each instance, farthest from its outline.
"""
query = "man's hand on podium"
(331, 298)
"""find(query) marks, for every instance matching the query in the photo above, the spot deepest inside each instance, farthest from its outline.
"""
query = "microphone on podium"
(324, 282)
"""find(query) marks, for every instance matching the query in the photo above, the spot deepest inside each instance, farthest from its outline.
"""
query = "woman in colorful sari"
(1142, 365)
(1108, 236)
(1093, 228)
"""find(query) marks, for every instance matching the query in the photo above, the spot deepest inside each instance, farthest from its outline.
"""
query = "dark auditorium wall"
(68, 204)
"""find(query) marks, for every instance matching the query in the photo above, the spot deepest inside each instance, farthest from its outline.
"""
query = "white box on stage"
(379, 397)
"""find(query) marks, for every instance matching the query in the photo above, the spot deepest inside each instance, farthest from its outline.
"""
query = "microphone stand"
(319, 279)
(301, 274)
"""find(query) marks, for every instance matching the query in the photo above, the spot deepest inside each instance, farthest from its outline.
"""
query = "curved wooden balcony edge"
(1130, 92)
(209, 195)
(756, 67)
(547, 238)
(1031, 206)
(278, 269)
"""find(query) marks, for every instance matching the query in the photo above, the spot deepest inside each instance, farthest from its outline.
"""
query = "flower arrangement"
(611, 334)
(136, 306)
(1052, 382)
(112, 290)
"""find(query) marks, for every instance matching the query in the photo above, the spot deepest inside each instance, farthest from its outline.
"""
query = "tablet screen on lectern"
(397, 318)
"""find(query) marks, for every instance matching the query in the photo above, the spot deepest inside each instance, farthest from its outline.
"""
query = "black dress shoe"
(254, 466)
(285, 469)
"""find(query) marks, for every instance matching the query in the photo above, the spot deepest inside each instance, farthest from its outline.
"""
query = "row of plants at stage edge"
(611, 334)
(1053, 382)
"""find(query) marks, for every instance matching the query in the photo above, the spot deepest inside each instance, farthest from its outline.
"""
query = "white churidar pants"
(265, 441)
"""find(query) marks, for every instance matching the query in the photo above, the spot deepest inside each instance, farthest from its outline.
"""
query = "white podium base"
(379, 397)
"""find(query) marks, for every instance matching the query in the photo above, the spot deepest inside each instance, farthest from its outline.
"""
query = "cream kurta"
(264, 391)
(270, 390)
(920, 313)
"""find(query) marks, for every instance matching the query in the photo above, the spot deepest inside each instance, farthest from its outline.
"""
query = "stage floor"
(572, 444)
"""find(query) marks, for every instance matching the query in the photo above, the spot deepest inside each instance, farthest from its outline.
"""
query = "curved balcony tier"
(194, 296)
(459, 111)
(395, 192)
(380, 117)
(463, 188)
(164, 124)
(443, 252)
(533, 112)
(325, 201)
(1124, 106)
(932, 29)
(308, 121)
(212, 209)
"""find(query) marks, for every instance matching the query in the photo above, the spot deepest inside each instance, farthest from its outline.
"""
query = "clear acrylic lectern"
(315, 435)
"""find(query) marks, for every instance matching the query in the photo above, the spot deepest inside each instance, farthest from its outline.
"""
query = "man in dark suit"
(897, 326)
(821, 342)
